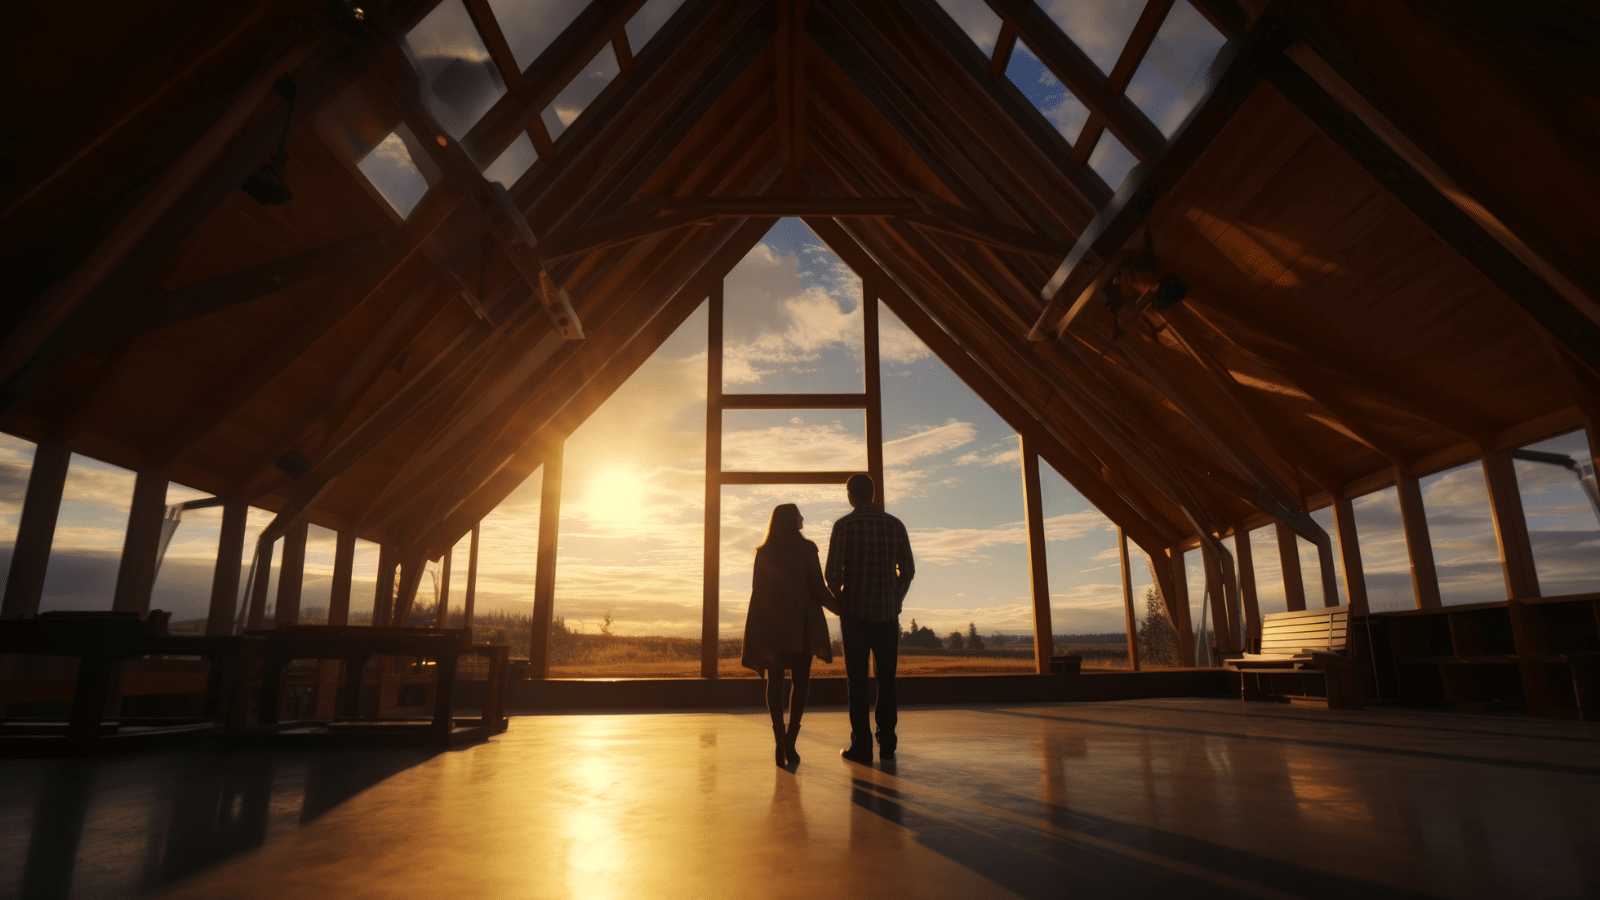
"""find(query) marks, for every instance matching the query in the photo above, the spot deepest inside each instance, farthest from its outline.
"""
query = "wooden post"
(874, 391)
(711, 598)
(383, 592)
(1414, 521)
(1038, 574)
(1294, 585)
(225, 575)
(258, 586)
(30, 556)
(544, 577)
(1510, 526)
(1222, 625)
(136, 571)
(472, 580)
(1178, 607)
(1249, 603)
(1127, 601)
(344, 563)
(444, 588)
(291, 576)
(1355, 579)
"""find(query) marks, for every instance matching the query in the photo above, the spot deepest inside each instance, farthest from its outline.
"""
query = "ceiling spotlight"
(1170, 292)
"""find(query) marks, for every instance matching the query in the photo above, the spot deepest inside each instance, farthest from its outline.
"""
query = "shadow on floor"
(120, 826)
(1042, 849)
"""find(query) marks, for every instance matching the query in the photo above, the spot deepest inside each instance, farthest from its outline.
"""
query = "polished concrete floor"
(1175, 798)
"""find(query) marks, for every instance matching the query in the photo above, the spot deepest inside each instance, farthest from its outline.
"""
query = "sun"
(617, 495)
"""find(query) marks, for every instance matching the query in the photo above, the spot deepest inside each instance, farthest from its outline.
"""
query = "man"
(869, 569)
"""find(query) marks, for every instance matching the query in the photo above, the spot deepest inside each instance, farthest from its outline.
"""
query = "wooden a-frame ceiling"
(1385, 214)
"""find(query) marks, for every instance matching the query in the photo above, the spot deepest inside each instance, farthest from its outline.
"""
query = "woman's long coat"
(787, 596)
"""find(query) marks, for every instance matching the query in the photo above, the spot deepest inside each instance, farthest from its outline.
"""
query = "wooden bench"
(1304, 660)
(94, 648)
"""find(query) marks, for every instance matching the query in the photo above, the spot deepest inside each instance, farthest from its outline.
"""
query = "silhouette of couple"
(869, 569)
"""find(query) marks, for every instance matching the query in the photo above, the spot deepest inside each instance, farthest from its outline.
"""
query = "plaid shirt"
(869, 564)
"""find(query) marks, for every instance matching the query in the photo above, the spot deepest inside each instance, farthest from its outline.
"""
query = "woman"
(785, 627)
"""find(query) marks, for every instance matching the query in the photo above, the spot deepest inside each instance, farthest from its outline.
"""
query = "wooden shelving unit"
(1538, 652)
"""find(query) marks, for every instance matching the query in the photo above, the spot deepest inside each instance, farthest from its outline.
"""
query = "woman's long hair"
(784, 528)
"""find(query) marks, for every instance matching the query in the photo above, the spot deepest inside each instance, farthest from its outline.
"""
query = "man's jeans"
(882, 641)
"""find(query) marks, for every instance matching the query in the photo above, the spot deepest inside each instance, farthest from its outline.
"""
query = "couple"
(869, 569)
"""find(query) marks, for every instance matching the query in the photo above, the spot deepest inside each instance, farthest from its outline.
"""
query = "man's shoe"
(857, 754)
(885, 752)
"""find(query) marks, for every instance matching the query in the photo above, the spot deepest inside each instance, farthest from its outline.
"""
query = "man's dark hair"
(860, 488)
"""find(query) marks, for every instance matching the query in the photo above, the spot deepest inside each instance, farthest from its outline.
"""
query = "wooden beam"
(951, 219)
(1355, 579)
(797, 401)
(987, 162)
(1329, 62)
(1129, 619)
(443, 617)
(383, 589)
(577, 389)
(1510, 526)
(1249, 602)
(776, 207)
(544, 576)
(224, 292)
(547, 76)
(136, 571)
(430, 213)
(405, 595)
(1414, 523)
(1294, 586)
(1178, 606)
(472, 581)
(260, 577)
(65, 299)
(36, 528)
(1066, 294)
(1038, 566)
(622, 229)
(955, 347)
(711, 571)
(1063, 58)
(344, 559)
(291, 577)
(494, 40)
(225, 575)
(1133, 53)
(1569, 324)
(873, 379)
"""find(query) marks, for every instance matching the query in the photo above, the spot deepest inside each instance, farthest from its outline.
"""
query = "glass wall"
(1556, 478)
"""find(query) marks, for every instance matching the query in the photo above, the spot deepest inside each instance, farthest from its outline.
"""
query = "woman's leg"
(775, 709)
(797, 707)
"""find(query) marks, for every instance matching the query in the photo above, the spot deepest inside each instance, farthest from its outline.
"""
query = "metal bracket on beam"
(519, 243)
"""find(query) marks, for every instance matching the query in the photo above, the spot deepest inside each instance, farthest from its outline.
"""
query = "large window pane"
(1175, 74)
(1557, 483)
(1461, 529)
(1057, 104)
(1100, 28)
(628, 576)
(792, 318)
(807, 440)
(1085, 570)
(459, 80)
(1385, 564)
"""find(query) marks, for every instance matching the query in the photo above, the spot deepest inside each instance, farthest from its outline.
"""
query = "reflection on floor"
(1174, 798)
